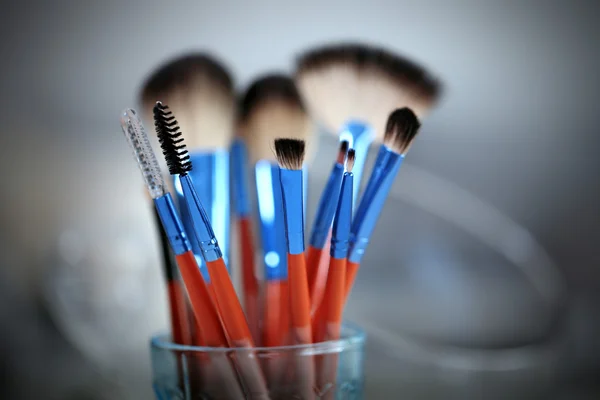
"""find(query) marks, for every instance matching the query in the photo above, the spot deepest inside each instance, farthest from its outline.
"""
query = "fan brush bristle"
(290, 153)
(171, 140)
(401, 129)
(362, 83)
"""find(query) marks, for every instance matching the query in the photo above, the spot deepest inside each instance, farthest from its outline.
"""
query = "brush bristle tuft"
(401, 129)
(344, 145)
(270, 88)
(201, 92)
(290, 153)
(350, 160)
(359, 82)
(171, 141)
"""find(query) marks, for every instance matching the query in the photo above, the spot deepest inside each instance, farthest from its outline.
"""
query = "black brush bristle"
(401, 129)
(364, 57)
(171, 141)
(350, 160)
(344, 145)
(290, 153)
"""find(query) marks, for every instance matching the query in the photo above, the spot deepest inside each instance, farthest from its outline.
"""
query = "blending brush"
(209, 329)
(290, 156)
(271, 107)
(200, 90)
(232, 314)
(401, 129)
(250, 287)
(352, 88)
(322, 225)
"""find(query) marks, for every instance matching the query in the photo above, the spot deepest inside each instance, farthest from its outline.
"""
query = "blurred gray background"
(514, 142)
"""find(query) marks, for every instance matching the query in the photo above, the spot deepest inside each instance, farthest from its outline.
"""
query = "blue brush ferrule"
(172, 224)
(326, 208)
(239, 162)
(202, 227)
(340, 235)
(359, 136)
(272, 224)
(293, 198)
(365, 221)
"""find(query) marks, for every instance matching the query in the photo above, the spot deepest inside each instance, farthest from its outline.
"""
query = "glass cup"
(186, 372)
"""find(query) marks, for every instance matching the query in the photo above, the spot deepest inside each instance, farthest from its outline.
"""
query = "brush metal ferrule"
(359, 136)
(239, 162)
(172, 224)
(210, 177)
(340, 234)
(205, 236)
(326, 208)
(384, 154)
(272, 224)
(370, 208)
(293, 209)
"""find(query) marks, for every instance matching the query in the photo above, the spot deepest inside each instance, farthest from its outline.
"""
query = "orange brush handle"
(229, 305)
(211, 332)
(299, 298)
(351, 271)
(318, 290)
(276, 323)
(335, 292)
(313, 255)
(249, 281)
(180, 321)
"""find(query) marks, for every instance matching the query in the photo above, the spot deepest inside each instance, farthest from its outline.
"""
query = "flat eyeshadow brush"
(231, 312)
(271, 107)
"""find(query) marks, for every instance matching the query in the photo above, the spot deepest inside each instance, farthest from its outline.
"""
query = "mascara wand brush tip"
(171, 140)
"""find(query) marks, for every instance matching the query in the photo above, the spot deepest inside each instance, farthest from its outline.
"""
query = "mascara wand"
(232, 315)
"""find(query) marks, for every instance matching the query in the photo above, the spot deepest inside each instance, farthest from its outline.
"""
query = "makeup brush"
(209, 331)
(401, 129)
(232, 315)
(250, 287)
(290, 156)
(200, 90)
(322, 225)
(271, 107)
(333, 305)
(351, 88)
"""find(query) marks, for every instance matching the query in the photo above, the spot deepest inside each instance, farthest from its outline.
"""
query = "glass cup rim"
(354, 336)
